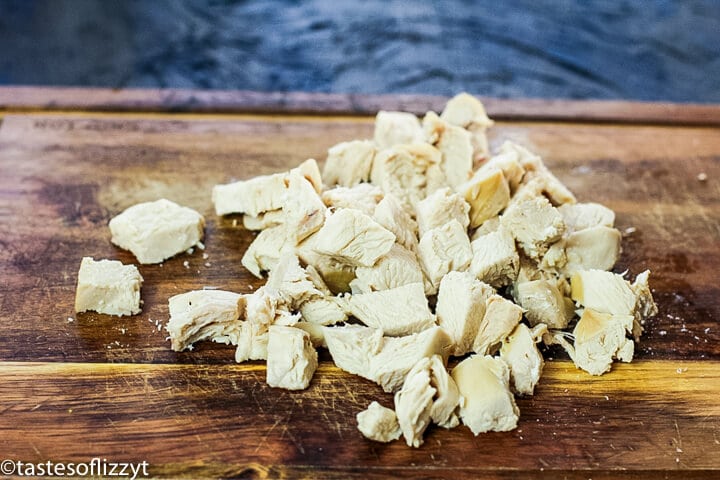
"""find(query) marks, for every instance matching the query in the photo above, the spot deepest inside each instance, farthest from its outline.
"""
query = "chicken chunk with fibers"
(205, 315)
(488, 226)
(379, 423)
(155, 231)
(291, 358)
(323, 311)
(264, 252)
(354, 238)
(335, 274)
(460, 308)
(263, 220)
(291, 284)
(592, 248)
(468, 112)
(543, 303)
(396, 128)
(385, 360)
(487, 193)
(484, 385)
(508, 161)
(399, 311)
(349, 163)
(442, 250)
(500, 319)
(409, 172)
(520, 352)
(304, 210)
(544, 182)
(390, 214)
(439, 208)
(428, 394)
(455, 144)
(535, 224)
(396, 268)
(251, 197)
(579, 216)
(494, 258)
(364, 197)
(600, 337)
(109, 287)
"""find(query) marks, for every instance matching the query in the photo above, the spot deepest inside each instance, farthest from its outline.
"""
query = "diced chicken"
(354, 238)
(488, 194)
(386, 360)
(494, 258)
(555, 259)
(439, 208)
(607, 292)
(644, 305)
(428, 394)
(413, 404)
(442, 250)
(579, 216)
(396, 268)
(396, 128)
(264, 252)
(484, 385)
(536, 171)
(264, 308)
(264, 220)
(600, 337)
(508, 161)
(205, 315)
(364, 197)
(303, 208)
(291, 283)
(543, 303)
(460, 308)
(315, 331)
(400, 354)
(155, 231)
(409, 172)
(592, 248)
(310, 170)
(468, 112)
(349, 163)
(390, 214)
(535, 224)
(323, 311)
(500, 319)
(488, 226)
(379, 423)
(335, 274)
(455, 144)
(250, 197)
(109, 287)
(399, 311)
(291, 358)
(523, 357)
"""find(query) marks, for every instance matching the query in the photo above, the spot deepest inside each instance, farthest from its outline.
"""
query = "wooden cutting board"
(74, 387)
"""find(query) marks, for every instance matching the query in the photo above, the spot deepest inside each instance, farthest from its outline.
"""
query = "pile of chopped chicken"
(417, 246)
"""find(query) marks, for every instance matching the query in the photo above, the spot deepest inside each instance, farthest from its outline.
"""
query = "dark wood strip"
(18, 98)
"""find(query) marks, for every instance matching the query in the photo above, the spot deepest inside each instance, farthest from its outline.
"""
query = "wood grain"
(643, 416)
(197, 414)
(17, 98)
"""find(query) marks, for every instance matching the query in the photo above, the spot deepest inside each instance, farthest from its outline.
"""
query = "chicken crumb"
(702, 176)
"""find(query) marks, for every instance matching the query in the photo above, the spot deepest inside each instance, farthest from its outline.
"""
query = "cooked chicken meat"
(439, 208)
(442, 250)
(265, 220)
(488, 194)
(379, 423)
(205, 315)
(352, 237)
(396, 128)
(291, 358)
(543, 303)
(495, 260)
(364, 197)
(484, 385)
(304, 210)
(500, 319)
(349, 163)
(579, 216)
(455, 144)
(522, 356)
(534, 223)
(592, 248)
(396, 268)
(109, 287)
(390, 214)
(155, 231)
(466, 111)
(460, 308)
(399, 311)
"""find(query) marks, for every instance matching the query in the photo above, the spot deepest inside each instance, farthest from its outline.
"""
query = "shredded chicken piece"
(442, 250)
(379, 423)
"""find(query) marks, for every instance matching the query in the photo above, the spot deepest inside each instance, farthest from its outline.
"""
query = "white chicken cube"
(349, 163)
(291, 358)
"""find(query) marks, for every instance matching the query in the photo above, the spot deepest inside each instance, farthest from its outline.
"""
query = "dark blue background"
(642, 49)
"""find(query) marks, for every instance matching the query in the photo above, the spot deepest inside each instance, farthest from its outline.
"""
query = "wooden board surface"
(111, 387)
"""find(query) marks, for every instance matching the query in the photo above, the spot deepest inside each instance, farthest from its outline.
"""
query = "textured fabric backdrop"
(649, 50)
